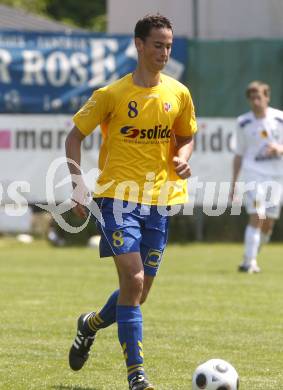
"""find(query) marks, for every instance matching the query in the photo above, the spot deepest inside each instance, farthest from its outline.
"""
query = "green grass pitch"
(199, 308)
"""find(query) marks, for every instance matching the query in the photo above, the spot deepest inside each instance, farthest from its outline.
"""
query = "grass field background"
(199, 308)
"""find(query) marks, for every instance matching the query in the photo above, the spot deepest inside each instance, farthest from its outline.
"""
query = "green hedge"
(218, 73)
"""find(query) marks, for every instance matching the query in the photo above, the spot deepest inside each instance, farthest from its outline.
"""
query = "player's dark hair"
(258, 86)
(144, 25)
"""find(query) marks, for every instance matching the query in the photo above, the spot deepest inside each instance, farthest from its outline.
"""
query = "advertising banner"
(56, 73)
(32, 153)
(32, 157)
(212, 161)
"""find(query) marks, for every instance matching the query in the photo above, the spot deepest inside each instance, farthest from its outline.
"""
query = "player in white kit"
(259, 156)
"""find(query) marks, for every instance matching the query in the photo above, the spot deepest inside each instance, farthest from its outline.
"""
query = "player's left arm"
(185, 127)
(184, 150)
(274, 149)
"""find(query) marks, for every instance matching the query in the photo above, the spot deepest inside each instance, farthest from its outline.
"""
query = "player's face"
(154, 52)
(258, 101)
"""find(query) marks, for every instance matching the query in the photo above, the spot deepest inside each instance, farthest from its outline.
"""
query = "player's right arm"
(95, 111)
(237, 162)
(73, 154)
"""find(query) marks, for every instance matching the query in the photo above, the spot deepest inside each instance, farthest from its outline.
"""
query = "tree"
(88, 14)
(35, 6)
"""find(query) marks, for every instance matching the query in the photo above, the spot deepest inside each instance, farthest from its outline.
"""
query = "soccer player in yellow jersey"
(148, 122)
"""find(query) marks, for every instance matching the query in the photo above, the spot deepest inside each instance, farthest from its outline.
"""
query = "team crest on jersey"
(167, 107)
(264, 134)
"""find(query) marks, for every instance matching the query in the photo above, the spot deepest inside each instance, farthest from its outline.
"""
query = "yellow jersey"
(138, 139)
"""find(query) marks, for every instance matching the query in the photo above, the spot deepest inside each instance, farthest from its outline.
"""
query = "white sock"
(252, 242)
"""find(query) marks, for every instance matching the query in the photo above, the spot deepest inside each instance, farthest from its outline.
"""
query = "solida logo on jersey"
(154, 133)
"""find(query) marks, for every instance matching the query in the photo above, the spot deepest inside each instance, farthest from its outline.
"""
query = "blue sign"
(56, 73)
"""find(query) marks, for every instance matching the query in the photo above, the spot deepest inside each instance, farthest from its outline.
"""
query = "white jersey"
(252, 137)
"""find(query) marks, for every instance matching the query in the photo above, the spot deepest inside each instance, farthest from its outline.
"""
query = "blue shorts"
(142, 229)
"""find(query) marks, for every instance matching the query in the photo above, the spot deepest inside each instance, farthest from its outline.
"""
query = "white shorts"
(263, 195)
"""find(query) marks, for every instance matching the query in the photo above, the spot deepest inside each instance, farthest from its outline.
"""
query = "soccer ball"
(215, 374)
